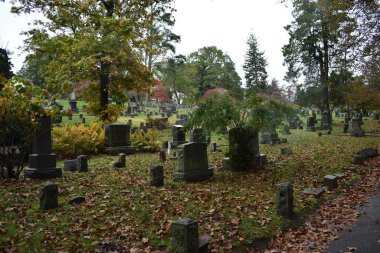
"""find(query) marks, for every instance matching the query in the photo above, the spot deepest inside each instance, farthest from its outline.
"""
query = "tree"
(255, 66)
(91, 40)
(5, 66)
(214, 69)
(177, 75)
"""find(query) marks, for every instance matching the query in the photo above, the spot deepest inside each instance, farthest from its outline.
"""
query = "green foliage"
(158, 123)
(71, 141)
(5, 65)
(145, 142)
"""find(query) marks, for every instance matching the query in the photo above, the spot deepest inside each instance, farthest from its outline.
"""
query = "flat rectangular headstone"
(316, 192)
(70, 165)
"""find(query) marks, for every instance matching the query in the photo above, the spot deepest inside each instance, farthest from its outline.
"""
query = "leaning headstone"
(179, 136)
(286, 151)
(70, 165)
(118, 139)
(331, 181)
(48, 195)
(82, 163)
(156, 175)
(197, 135)
(354, 127)
(42, 161)
(285, 199)
(185, 237)
(192, 163)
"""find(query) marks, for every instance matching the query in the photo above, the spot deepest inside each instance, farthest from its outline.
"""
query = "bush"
(158, 123)
(145, 142)
(70, 141)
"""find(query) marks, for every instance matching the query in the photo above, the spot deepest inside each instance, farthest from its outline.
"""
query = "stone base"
(175, 144)
(45, 173)
(357, 134)
(194, 176)
(117, 150)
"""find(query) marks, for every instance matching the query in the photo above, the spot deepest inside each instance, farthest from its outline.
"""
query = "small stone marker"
(262, 160)
(48, 195)
(213, 147)
(81, 115)
(226, 164)
(286, 151)
(82, 163)
(70, 165)
(331, 181)
(122, 159)
(285, 199)
(83, 120)
(156, 175)
(162, 156)
(316, 192)
(77, 200)
(185, 237)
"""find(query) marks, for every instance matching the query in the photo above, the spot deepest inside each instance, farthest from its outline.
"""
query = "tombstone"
(269, 135)
(285, 199)
(142, 124)
(213, 147)
(165, 145)
(179, 136)
(197, 135)
(80, 115)
(70, 165)
(315, 192)
(192, 163)
(82, 163)
(325, 122)
(185, 237)
(83, 120)
(156, 175)
(226, 164)
(42, 161)
(261, 160)
(73, 106)
(331, 181)
(181, 122)
(310, 125)
(77, 200)
(286, 151)
(347, 120)
(163, 156)
(117, 137)
(120, 163)
(48, 195)
(354, 127)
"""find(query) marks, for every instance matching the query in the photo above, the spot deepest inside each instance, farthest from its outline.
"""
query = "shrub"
(158, 123)
(145, 142)
(70, 141)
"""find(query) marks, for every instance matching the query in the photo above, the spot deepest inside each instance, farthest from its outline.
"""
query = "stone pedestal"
(285, 199)
(193, 163)
(48, 195)
(42, 162)
(118, 139)
(185, 237)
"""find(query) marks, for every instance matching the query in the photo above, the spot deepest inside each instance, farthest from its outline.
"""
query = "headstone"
(82, 163)
(42, 161)
(197, 135)
(185, 237)
(156, 175)
(368, 153)
(70, 165)
(73, 106)
(142, 124)
(130, 122)
(316, 192)
(354, 127)
(310, 125)
(118, 139)
(331, 181)
(81, 115)
(226, 164)
(163, 156)
(269, 135)
(122, 159)
(286, 151)
(83, 120)
(213, 147)
(262, 160)
(179, 136)
(193, 163)
(325, 122)
(165, 145)
(48, 195)
(285, 199)
(77, 200)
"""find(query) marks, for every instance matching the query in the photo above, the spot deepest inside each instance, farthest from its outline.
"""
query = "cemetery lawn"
(234, 208)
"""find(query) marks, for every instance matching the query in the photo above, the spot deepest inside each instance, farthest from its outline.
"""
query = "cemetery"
(111, 143)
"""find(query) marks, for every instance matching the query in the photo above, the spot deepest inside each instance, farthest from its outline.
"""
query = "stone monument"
(118, 139)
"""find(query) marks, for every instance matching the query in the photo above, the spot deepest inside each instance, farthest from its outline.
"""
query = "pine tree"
(254, 66)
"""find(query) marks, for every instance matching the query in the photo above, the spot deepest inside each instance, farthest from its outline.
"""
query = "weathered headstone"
(179, 136)
(285, 199)
(185, 237)
(48, 195)
(226, 164)
(82, 163)
(197, 135)
(310, 125)
(316, 192)
(261, 160)
(354, 127)
(42, 161)
(156, 175)
(193, 163)
(118, 139)
(331, 181)
(70, 165)
(163, 156)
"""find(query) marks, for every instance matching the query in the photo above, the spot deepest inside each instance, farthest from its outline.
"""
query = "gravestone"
(197, 135)
(310, 125)
(325, 122)
(315, 192)
(73, 106)
(83, 120)
(48, 195)
(70, 165)
(185, 237)
(163, 156)
(179, 136)
(286, 151)
(269, 135)
(120, 163)
(82, 163)
(354, 127)
(130, 122)
(226, 164)
(261, 160)
(213, 147)
(156, 175)
(42, 161)
(285, 199)
(181, 122)
(331, 181)
(118, 139)
(192, 163)
(81, 115)
(165, 145)
(77, 200)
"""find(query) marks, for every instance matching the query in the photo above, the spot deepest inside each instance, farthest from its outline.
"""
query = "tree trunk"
(104, 85)
(244, 148)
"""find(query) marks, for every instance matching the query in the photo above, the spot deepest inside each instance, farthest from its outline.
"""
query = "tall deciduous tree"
(95, 40)
(255, 66)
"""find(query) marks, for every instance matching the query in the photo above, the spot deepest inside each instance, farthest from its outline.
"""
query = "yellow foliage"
(145, 141)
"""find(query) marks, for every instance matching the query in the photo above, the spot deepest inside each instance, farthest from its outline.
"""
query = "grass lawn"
(234, 208)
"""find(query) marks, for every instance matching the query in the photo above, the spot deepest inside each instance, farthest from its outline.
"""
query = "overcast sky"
(225, 24)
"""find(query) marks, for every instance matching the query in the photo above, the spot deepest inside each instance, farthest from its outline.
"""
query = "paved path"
(364, 236)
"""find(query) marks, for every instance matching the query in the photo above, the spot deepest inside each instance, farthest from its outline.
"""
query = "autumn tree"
(91, 40)
(255, 66)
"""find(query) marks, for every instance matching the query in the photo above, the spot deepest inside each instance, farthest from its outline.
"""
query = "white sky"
(225, 24)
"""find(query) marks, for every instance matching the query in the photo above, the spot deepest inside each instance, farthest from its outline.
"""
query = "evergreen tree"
(5, 64)
(254, 66)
